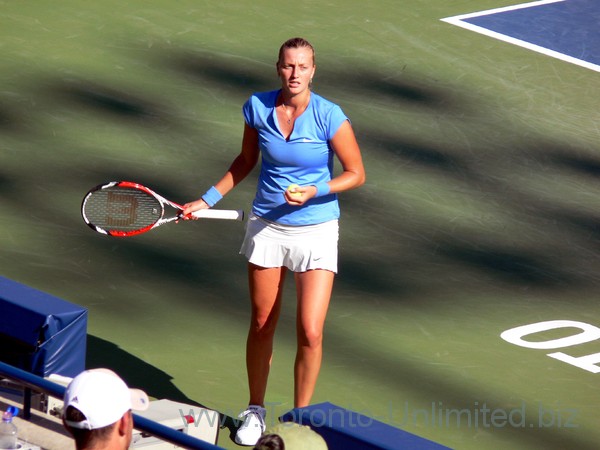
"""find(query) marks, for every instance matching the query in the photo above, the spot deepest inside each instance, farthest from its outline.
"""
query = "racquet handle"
(227, 214)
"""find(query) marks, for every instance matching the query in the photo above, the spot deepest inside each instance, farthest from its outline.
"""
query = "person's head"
(97, 409)
(296, 65)
(290, 436)
(270, 442)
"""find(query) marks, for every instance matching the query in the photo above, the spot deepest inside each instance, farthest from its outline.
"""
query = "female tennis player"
(294, 221)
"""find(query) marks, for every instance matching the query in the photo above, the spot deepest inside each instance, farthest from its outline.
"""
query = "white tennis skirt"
(299, 248)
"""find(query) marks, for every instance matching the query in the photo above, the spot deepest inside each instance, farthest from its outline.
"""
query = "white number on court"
(588, 333)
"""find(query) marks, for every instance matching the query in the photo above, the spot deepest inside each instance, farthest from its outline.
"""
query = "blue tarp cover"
(40, 333)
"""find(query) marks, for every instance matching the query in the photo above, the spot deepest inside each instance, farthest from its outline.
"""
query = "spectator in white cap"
(97, 410)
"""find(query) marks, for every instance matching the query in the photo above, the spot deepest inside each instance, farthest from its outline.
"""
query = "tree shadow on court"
(521, 257)
(9, 120)
(236, 74)
(409, 252)
(398, 91)
(587, 165)
(7, 184)
(514, 266)
(135, 371)
(111, 102)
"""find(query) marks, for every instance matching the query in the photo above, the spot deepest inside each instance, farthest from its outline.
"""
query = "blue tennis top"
(305, 158)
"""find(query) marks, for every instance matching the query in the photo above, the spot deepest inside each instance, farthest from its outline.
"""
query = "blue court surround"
(349, 430)
(565, 29)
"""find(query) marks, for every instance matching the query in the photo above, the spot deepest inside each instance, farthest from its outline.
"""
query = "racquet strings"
(122, 209)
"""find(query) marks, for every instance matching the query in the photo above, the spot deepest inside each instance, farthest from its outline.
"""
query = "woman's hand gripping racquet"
(124, 208)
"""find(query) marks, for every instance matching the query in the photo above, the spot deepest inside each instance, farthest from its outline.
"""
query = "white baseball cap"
(102, 397)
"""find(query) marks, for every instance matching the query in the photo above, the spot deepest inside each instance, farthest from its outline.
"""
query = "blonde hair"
(296, 42)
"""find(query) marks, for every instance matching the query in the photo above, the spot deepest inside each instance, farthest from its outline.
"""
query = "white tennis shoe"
(253, 427)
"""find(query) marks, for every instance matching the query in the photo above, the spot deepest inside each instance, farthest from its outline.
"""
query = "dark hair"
(296, 42)
(270, 442)
(82, 437)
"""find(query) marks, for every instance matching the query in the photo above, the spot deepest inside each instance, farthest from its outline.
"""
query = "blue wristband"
(322, 189)
(212, 196)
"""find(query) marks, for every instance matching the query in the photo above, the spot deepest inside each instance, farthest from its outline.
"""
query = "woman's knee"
(263, 325)
(311, 337)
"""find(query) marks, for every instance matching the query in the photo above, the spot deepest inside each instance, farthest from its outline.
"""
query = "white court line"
(458, 21)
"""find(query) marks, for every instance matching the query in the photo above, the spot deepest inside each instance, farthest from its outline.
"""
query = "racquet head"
(121, 208)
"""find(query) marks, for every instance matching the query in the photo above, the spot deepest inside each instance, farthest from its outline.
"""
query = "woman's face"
(296, 69)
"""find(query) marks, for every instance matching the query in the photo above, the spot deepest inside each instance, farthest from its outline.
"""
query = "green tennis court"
(480, 213)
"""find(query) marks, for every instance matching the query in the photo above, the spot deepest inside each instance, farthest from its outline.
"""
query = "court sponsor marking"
(588, 333)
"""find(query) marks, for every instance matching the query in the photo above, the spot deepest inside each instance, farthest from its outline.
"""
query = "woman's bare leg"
(266, 289)
(313, 294)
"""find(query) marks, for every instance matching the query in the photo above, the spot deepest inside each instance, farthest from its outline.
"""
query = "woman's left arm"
(353, 173)
(347, 151)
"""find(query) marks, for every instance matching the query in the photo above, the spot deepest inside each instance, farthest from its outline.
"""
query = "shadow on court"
(436, 215)
(136, 372)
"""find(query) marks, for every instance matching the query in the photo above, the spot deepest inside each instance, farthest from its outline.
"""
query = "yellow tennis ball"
(291, 188)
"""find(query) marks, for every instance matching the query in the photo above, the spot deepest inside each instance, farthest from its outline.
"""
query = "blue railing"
(39, 384)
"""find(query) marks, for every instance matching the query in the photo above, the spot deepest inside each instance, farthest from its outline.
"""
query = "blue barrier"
(343, 428)
(38, 384)
(41, 333)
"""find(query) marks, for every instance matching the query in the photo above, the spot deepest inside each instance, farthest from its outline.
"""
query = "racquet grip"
(227, 214)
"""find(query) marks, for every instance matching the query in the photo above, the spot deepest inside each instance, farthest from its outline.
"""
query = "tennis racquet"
(124, 208)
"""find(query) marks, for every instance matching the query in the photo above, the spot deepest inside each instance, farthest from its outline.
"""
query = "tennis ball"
(291, 188)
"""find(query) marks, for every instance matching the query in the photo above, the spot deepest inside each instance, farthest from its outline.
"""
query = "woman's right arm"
(240, 168)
